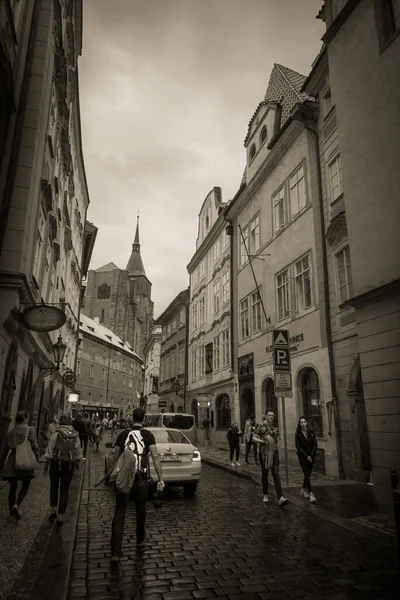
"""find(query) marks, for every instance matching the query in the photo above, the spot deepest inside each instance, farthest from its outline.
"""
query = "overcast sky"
(167, 90)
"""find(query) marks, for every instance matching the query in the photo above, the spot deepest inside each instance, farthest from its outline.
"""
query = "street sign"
(283, 385)
(281, 359)
(281, 337)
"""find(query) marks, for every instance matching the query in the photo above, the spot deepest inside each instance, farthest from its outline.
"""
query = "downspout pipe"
(314, 133)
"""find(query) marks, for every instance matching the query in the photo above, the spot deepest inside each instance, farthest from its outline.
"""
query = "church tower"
(141, 293)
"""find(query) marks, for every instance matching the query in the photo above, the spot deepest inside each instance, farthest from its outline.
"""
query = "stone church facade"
(121, 299)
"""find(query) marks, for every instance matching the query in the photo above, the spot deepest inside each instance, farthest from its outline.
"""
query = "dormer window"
(327, 102)
(252, 152)
(263, 135)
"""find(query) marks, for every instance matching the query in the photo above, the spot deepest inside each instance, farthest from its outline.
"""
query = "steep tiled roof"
(94, 328)
(135, 265)
(108, 267)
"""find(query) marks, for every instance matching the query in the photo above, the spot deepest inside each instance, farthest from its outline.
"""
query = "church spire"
(135, 264)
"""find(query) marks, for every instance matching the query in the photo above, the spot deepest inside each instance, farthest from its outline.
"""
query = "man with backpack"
(62, 457)
(132, 449)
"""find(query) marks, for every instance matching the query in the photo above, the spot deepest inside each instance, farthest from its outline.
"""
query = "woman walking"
(248, 439)
(97, 434)
(233, 436)
(15, 437)
(306, 446)
(62, 456)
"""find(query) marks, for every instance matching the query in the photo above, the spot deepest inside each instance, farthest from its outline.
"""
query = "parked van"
(182, 421)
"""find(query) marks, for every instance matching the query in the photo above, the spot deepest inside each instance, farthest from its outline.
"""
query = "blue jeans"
(275, 474)
(139, 495)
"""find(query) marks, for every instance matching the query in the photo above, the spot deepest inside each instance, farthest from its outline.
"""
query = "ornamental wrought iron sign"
(42, 318)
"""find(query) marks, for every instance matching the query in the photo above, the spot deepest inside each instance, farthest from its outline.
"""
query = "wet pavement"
(225, 543)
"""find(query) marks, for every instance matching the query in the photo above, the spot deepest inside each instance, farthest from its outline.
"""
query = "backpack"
(64, 449)
(129, 465)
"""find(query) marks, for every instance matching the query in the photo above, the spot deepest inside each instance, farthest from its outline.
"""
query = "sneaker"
(15, 513)
(304, 493)
(312, 498)
(283, 501)
(265, 499)
(114, 560)
(237, 464)
(233, 465)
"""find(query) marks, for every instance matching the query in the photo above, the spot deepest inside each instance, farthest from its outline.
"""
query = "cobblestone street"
(224, 543)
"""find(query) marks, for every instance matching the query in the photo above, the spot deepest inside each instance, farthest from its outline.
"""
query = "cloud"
(167, 90)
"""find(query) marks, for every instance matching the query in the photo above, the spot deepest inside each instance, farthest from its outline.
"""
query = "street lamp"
(176, 387)
(59, 349)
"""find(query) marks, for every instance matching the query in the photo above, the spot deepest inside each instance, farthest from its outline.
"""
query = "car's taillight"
(196, 456)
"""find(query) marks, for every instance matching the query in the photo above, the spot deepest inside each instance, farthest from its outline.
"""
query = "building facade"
(211, 381)
(278, 270)
(109, 373)
(172, 388)
(45, 240)
(152, 352)
(363, 44)
(121, 299)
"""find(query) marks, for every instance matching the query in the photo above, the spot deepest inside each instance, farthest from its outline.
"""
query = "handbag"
(25, 459)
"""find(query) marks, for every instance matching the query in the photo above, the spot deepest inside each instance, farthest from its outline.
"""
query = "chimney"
(97, 320)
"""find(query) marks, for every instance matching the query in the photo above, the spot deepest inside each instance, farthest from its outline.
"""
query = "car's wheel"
(189, 489)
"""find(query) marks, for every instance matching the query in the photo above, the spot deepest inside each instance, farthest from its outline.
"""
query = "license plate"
(170, 458)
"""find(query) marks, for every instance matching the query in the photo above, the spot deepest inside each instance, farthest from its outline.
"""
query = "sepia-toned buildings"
(109, 373)
(45, 240)
(211, 381)
(172, 383)
(121, 299)
(152, 352)
(362, 42)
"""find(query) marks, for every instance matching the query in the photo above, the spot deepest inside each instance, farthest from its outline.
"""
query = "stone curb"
(370, 533)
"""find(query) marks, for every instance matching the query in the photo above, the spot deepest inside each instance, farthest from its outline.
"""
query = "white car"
(180, 460)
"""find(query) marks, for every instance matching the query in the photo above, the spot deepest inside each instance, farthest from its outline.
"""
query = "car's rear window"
(170, 437)
(178, 421)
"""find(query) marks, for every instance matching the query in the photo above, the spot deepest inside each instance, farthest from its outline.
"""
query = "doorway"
(362, 454)
(247, 405)
(270, 400)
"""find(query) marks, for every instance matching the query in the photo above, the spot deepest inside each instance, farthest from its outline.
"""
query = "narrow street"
(224, 543)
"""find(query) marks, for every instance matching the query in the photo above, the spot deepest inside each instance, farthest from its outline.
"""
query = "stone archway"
(355, 394)
(6, 399)
(270, 401)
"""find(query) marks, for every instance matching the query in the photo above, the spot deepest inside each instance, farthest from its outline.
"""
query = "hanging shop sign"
(42, 318)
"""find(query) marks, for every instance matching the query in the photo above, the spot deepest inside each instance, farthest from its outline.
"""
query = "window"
(181, 360)
(78, 367)
(326, 102)
(244, 319)
(297, 191)
(216, 296)
(123, 381)
(168, 329)
(303, 284)
(335, 178)
(345, 278)
(202, 270)
(223, 407)
(91, 371)
(225, 287)
(254, 241)
(39, 245)
(278, 209)
(194, 363)
(173, 325)
(312, 401)
(182, 317)
(263, 135)
(194, 278)
(130, 382)
(252, 152)
(225, 348)
(206, 221)
(103, 375)
(225, 240)
(255, 313)
(113, 375)
(217, 250)
(202, 310)
(244, 245)
(283, 294)
(216, 353)
(201, 351)
(194, 316)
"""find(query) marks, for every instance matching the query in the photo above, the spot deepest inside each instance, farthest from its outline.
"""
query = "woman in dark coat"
(15, 437)
(306, 446)
(233, 436)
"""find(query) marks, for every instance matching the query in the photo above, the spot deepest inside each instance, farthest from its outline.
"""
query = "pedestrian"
(97, 434)
(87, 432)
(306, 446)
(79, 427)
(53, 426)
(249, 428)
(267, 436)
(233, 436)
(16, 436)
(140, 485)
(62, 457)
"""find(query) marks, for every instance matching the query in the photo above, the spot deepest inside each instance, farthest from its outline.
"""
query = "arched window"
(104, 291)
(252, 151)
(223, 409)
(312, 400)
(263, 135)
